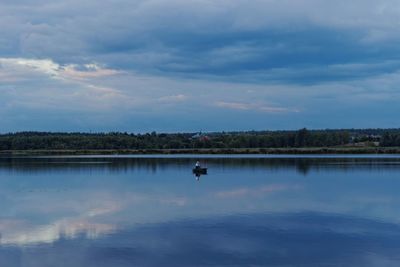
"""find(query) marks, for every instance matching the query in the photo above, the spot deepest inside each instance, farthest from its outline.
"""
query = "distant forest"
(302, 138)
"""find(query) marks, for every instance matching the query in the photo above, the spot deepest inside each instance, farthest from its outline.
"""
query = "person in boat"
(197, 165)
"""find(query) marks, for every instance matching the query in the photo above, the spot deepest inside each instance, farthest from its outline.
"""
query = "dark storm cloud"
(254, 41)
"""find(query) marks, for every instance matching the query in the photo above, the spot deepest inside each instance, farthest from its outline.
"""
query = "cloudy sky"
(190, 65)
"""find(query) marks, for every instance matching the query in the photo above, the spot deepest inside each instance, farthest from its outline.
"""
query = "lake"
(118, 211)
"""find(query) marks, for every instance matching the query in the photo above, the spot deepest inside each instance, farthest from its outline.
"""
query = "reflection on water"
(105, 211)
(154, 164)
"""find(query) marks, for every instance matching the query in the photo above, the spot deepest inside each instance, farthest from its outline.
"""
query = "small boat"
(199, 170)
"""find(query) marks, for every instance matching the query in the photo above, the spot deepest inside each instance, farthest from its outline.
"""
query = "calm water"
(272, 211)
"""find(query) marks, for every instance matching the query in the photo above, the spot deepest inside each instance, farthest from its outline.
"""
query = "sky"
(198, 65)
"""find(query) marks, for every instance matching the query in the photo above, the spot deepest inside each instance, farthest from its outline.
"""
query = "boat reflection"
(198, 175)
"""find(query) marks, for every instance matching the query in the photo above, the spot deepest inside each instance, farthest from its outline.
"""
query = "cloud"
(172, 98)
(150, 65)
(44, 66)
(53, 69)
(41, 94)
(87, 71)
(196, 38)
(252, 106)
(46, 84)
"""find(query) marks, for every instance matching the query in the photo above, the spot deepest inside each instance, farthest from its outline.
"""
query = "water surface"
(152, 211)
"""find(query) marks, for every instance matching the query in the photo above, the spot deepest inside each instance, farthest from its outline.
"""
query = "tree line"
(117, 140)
(252, 139)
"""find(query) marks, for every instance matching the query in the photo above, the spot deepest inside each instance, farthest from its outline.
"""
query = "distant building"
(200, 136)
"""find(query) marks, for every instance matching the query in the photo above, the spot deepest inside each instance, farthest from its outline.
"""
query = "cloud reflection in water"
(147, 212)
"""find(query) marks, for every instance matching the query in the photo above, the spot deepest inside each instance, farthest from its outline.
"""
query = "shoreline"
(212, 151)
